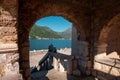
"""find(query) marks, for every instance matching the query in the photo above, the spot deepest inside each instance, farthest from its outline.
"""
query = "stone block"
(113, 55)
(96, 79)
(99, 73)
(94, 73)
(8, 39)
(97, 66)
(12, 66)
(105, 68)
(75, 64)
(89, 64)
(3, 58)
(88, 72)
(6, 31)
(100, 56)
(2, 69)
(8, 46)
(115, 71)
(76, 72)
(101, 77)
(88, 58)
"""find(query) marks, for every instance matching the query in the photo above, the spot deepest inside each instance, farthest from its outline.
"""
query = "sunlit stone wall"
(9, 56)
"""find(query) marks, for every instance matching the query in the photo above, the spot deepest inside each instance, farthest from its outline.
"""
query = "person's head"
(51, 45)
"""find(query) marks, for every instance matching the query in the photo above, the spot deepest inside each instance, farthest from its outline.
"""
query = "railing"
(61, 62)
(46, 62)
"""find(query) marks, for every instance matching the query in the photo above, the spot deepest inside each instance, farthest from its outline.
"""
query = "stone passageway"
(97, 34)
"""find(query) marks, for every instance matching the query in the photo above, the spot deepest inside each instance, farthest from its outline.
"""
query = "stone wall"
(88, 17)
(9, 56)
(107, 66)
(80, 50)
(29, 13)
(91, 38)
(106, 49)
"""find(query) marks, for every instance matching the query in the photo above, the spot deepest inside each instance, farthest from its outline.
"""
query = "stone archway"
(28, 15)
(89, 15)
(110, 34)
(108, 51)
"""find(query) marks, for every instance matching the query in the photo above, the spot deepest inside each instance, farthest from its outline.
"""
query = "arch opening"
(109, 36)
(47, 31)
(108, 52)
(79, 50)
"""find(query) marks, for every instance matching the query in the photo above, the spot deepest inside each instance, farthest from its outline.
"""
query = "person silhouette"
(51, 48)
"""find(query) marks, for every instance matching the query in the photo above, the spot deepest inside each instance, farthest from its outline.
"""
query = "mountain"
(66, 34)
(38, 32)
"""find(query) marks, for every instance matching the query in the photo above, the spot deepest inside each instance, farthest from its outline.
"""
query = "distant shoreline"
(36, 44)
(48, 39)
(46, 50)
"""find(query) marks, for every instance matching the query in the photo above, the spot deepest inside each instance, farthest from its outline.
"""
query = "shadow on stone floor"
(39, 75)
(97, 75)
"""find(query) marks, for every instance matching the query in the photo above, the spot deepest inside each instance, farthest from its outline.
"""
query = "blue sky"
(56, 23)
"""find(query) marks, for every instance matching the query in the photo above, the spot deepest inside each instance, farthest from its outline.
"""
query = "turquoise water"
(43, 44)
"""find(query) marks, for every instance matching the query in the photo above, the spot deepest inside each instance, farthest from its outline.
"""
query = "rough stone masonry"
(97, 34)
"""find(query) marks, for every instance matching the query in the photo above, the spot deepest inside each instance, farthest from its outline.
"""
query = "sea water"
(36, 44)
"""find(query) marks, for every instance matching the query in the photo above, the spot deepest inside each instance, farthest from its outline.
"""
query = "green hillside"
(38, 32)
(67, 34)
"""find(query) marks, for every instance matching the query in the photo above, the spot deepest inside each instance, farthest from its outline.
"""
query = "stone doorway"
(55, 28)
(25, 69)
(28, 15)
